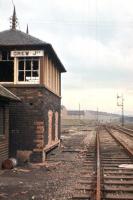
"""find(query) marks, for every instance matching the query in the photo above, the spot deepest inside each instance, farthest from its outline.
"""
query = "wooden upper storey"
(28, 60)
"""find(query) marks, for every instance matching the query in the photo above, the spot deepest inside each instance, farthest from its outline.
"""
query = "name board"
(27, 53)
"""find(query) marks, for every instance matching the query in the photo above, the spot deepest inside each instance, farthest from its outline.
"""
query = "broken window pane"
(6, 71)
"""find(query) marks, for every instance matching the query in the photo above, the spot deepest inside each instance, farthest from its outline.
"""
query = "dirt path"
(53, 180)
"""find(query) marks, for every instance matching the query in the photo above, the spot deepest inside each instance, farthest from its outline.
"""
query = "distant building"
(90, 115)
(31, 69)
(74, 114)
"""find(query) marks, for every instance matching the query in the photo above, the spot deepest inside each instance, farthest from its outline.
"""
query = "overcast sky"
(93, 39)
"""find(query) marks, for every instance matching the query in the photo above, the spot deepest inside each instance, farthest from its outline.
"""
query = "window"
(5, 56)
(6, 71)
(6, 67)
(28, 70)
(2, 120)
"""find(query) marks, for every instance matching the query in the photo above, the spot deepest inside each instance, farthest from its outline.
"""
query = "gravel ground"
(53, 180)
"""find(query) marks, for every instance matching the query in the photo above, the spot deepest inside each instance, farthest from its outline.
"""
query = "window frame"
(31, 59)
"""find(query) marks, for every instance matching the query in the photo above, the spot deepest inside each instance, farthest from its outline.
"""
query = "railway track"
(117, 180)
(86, 182)
(106, 174)
(126, 131)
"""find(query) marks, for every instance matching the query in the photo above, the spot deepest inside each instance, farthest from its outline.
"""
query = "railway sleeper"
(118, 177)
(117, 162)
(116, 182)
(116, 168)
(122, 196)
(108, 173)
(118, 189)
(116, 159)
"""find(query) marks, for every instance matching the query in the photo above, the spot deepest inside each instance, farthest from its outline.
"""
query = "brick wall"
(29, 119)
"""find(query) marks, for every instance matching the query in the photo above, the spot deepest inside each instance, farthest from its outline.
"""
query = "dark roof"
(18, 39)
(6, 94)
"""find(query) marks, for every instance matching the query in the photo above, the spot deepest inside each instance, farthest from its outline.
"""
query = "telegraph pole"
(97, 115)
(79, 111)
(121, 104)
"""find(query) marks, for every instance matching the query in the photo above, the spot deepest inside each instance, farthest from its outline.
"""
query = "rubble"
(53, 179)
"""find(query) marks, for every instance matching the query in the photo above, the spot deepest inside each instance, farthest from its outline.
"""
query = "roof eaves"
(8, 95)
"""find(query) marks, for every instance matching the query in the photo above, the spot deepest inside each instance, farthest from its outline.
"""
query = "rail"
(98, 188)
(103, 175)
(128, 150)
(123, 130)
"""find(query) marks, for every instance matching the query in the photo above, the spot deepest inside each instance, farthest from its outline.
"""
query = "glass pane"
(21, 65)
(35, 74)
(28, 75)
(21, 76)
(28, 65)
(35, 64)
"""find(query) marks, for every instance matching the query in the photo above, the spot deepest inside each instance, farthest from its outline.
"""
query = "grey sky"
(94, 40)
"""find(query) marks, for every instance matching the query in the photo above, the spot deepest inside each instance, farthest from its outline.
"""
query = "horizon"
(99, 111)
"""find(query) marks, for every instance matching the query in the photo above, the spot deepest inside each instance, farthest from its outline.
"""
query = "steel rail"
(125, 128)
(128, 150)
(98, 186)
(123, 131)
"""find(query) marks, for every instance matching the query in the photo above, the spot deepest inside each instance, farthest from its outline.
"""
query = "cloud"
(92, 38)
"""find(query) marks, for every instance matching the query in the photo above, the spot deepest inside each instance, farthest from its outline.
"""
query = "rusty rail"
(116, 179)
(121, 129)
(128, 150)
(98, 186)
